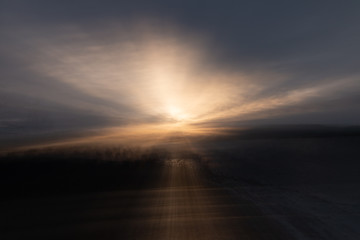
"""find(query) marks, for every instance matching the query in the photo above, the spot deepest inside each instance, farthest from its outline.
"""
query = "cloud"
(90, 65)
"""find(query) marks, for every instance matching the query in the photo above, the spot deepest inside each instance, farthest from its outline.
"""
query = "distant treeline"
(56, 171)
(296, 131)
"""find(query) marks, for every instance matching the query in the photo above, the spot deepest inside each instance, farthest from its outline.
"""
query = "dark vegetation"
(54, 171)
(263, 156)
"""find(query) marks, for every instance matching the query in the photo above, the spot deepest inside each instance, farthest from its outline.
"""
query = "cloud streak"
(131, 70)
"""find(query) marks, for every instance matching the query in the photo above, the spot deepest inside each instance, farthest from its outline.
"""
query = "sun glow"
(163, 77)
(177, 114)
(159, 77)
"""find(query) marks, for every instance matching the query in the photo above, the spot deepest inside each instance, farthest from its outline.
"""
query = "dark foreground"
(249, 185)
(181, 203)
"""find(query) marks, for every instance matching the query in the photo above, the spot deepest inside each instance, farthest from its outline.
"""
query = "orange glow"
(165, 79)
(144, 135)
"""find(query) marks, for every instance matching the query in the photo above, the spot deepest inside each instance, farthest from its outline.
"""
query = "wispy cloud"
(69, 76)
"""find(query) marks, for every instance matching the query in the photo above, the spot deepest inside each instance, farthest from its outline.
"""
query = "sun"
(177, 114)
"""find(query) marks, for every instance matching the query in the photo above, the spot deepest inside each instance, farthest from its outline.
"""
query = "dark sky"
(82, 64)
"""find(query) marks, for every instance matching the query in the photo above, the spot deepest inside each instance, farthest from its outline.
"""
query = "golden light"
(160, 77)
(177, 114)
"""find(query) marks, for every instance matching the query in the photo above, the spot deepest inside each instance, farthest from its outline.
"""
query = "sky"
(68, 66)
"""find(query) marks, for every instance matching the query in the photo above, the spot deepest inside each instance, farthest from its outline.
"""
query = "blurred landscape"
(179, 120)
(302, 182)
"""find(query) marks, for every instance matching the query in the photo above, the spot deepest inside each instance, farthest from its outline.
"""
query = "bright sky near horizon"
(80, 65)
